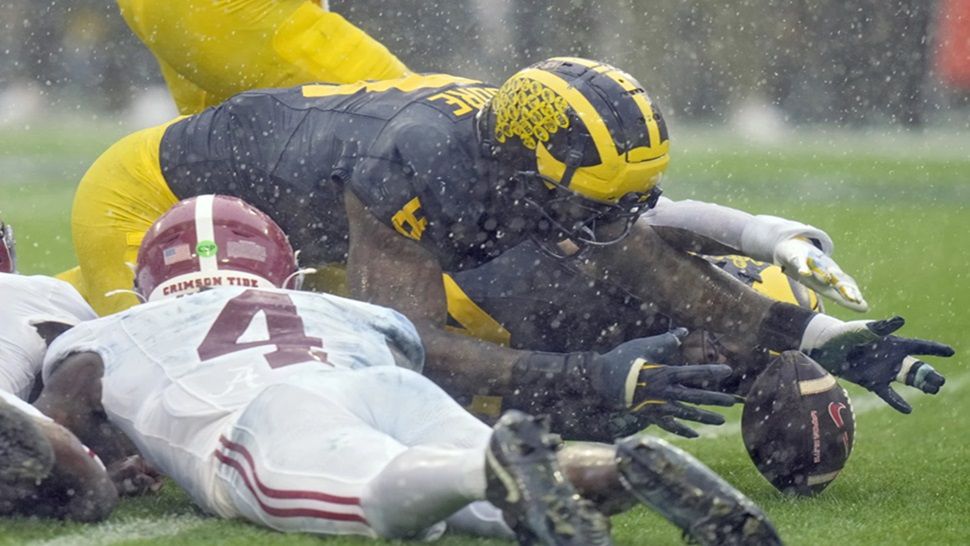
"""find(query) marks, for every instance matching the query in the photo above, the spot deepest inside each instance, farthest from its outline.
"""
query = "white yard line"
(123, 531)
(863, 403)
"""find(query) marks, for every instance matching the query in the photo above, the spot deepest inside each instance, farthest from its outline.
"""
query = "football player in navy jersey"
(406, 179)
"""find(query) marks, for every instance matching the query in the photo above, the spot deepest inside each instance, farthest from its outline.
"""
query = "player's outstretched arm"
(388, 269)
(803, 252)
(865, 352)
(698, 296)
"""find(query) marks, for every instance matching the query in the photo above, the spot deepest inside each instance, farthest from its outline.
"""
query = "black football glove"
(865, 353)
(641, 391)
(600, 397)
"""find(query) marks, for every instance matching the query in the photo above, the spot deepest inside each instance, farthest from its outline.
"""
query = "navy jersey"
(407, 148)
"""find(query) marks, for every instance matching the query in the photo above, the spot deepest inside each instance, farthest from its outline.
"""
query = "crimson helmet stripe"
(205, 232)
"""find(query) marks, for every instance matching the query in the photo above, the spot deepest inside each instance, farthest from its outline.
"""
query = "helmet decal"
(527, 109)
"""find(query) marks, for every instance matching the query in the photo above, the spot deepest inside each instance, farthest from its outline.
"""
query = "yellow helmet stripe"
(640, 99)
(583, 108)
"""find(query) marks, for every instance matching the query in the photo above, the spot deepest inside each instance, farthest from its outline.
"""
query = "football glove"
(864, 352)
(643, 391)
(601, 397)
(804, 262)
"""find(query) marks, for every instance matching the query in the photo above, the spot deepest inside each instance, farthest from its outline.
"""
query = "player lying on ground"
(44, 469)
(304, 412)
(405, 179)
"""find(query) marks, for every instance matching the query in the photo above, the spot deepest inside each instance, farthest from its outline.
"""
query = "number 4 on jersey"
(283, 324)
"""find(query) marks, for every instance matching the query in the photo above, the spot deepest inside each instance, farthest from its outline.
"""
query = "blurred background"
(861, 63)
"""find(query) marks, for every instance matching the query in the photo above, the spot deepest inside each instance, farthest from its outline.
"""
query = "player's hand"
(134, 476)
(864, 352)
(643, 391)
(804, 262)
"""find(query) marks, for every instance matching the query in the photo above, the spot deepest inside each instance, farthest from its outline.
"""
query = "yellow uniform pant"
(209, 50)
(118, 199)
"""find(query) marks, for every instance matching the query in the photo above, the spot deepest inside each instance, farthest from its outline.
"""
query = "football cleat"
(691, 496)
(25, 454)
(523, 479)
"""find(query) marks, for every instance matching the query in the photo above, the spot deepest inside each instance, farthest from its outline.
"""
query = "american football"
(798, 425)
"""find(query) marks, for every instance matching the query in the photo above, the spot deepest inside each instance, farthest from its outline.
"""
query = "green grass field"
(897, 207)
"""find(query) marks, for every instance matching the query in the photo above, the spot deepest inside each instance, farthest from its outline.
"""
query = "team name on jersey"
(465, 100)
(194, 285)
(470, 97)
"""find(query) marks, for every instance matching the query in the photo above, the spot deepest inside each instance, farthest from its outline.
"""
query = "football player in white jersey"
(305, 412)
(44, 469)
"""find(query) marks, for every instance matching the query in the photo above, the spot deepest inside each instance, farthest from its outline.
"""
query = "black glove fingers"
(673, 426)
(922, 376)
(690, 413)
(893, 398)
(886, 327)
(698, 375)
(926, 347)
(698, 396)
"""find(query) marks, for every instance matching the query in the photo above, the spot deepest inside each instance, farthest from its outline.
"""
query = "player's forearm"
(696, 226)
(696, 294)
(708, 228)
(562, 385)
(463, 365)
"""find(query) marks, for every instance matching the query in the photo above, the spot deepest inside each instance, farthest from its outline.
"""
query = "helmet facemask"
(8, 251)
(567, 214)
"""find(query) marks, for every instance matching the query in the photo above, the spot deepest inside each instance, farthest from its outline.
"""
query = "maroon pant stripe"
(283, 493)
(285, 512)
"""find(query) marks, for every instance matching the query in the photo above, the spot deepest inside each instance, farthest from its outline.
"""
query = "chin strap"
(112, 293)
(298, 274)
(583, 233)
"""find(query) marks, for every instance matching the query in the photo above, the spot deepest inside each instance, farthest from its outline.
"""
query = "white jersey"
(178, 372)
(24, 302)
(214, 351)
